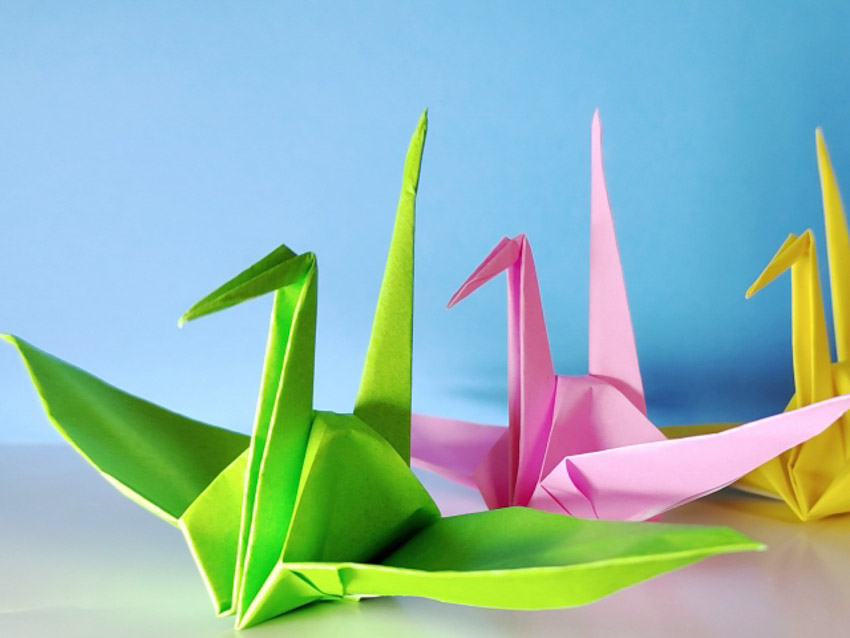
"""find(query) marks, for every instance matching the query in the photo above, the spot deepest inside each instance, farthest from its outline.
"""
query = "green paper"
(161, 459)
(323, 506)
(383, 399)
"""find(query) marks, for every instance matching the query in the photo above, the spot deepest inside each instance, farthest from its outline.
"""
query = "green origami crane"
(323, 506)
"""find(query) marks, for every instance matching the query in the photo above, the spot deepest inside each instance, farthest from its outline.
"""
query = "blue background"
(148, 153)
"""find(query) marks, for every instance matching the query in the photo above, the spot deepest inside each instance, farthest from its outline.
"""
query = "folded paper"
(583, 445)
(322, 506)
(813, 478)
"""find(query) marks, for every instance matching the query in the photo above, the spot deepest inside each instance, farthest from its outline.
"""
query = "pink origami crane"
(583, 445)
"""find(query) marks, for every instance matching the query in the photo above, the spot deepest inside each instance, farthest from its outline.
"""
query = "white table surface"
(77, 559)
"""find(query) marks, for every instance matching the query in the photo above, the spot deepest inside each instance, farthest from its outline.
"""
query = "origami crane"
(583, 445)
(813, 478)
(322, 506)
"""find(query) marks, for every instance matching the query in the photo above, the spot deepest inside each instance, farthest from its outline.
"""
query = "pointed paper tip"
(422, 124)
(822, 150)
(596, 128)
(792, 249)
(767, 276)
(503, 254)
(188, 316)
(459, 294)
(596, 144)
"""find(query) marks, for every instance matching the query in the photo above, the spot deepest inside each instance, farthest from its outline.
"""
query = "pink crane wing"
(637, 482)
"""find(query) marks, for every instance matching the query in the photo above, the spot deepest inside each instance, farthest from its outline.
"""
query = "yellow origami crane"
(813, 478)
